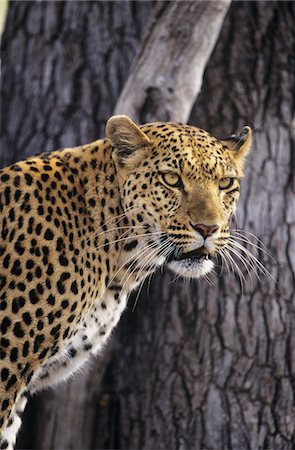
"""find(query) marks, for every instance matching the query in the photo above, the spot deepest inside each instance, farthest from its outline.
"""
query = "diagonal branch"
(167, 74)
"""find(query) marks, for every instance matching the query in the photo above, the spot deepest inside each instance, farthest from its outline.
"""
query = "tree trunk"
(194, 366)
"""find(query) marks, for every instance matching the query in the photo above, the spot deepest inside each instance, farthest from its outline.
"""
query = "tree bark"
(64, 66)
(167, 74)
(194, 366)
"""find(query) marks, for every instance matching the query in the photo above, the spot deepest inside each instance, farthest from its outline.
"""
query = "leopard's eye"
(172, 179)
(225, 183)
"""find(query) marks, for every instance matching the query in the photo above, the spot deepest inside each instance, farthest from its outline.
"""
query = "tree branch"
(167, 74)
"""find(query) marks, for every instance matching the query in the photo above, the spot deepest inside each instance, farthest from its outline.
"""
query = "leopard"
(82, 227)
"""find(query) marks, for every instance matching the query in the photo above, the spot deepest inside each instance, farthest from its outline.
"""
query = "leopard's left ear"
(239, 143)
(125, 136)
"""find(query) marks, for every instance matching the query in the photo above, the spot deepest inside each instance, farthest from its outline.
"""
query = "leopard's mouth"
(193, 264)
(198, 255)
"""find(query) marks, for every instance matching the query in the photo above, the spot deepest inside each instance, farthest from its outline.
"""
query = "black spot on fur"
(48, 235)
(130, 245)
(17, 330)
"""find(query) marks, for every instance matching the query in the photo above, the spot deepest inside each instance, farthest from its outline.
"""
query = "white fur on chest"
(101, 320)
(88, 339)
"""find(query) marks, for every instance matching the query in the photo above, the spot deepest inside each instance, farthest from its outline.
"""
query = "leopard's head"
(181, 184)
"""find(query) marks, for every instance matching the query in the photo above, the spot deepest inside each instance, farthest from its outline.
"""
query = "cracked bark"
(195, 366)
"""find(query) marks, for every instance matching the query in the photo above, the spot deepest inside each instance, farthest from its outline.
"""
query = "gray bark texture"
(167, 74)
(194, 366)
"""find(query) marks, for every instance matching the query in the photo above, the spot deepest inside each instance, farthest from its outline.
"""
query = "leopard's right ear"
(125, 136)
(239, 143)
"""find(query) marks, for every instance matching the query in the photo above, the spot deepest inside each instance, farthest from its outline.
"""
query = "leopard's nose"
(205, 230)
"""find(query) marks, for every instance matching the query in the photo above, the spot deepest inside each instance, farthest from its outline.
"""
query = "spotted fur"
(80, 228)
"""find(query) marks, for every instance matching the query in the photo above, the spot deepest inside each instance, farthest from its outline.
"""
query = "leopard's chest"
(100, 320)
(88, 338)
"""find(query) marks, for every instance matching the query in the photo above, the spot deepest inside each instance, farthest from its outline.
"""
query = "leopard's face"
(181, 184)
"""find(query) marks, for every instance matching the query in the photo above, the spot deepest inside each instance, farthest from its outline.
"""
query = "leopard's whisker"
(207, 279)
(176, 277)
(228, 262)
(134, 236)
(254, 260)
(134, 266)
(141, 265)
(129, 227)
(117, 218)
(247, 241)
(138, 265)
(133, 256)
(122, 239)
(223, 260)
(141, 285)
(224, 265)
(248, 254)
(243, 260)
(138, 294)
(240, 232)
(237, 269)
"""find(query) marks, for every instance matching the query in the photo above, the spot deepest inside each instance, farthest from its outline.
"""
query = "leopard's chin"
(194, 264)
(190, 268)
